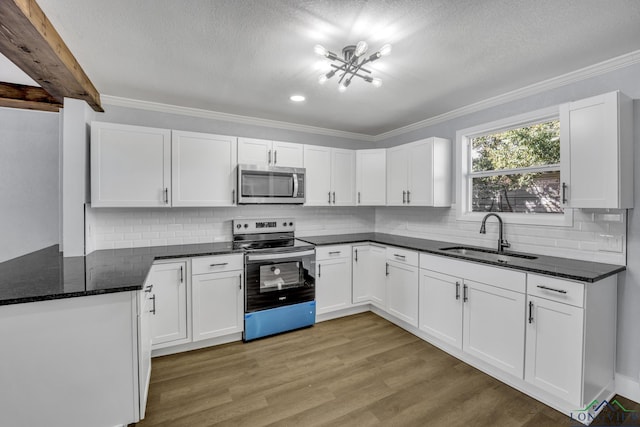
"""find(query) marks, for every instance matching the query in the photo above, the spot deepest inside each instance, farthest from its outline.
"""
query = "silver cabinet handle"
(564, 193)
(166, 196)
(269, 161)
(233, 196)
(408, 196)
(465, 297)
(546, 288)
(356, 252)
(319, 270)
(219, 264)
(240, 281)
(329, 197)
(457, 290)
(181, 274)
(335, 252)
(404, 196)
(359, 198)
(153, 309)
(148, 288)
(386, 269)
(402, 257)
(334, 197)
(530, 311)
(275, 157)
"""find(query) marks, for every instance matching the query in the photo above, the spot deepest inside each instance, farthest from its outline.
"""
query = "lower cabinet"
(145, 312)
(333, 278)
(169, 325)
(402, 284)
(441, 306)
(217, 304)
(369, 275)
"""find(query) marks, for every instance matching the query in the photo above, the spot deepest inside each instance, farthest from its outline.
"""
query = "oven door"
(270, 185)
(278, 279)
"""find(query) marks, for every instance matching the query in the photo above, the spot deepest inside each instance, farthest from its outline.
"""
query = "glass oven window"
(267, 185)
(275, 277)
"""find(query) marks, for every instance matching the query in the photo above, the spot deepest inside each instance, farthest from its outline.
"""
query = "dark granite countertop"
(46, 274)
(566, 268)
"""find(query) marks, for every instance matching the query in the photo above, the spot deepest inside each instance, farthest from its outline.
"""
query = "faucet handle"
(505, 244)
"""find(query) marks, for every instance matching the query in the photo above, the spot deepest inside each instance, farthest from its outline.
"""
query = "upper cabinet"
(419, 173)
(371, 177)
(270, 153)
(330, 177)
(203, 169)
(130, 166)
(596, 136)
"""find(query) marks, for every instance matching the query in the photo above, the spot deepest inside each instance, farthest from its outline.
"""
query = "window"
(512, 166)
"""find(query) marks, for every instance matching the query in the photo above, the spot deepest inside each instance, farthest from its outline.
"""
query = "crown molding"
(533, 89)
(235, 118)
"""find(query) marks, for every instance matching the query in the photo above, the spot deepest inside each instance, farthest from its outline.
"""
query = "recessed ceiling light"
(297, 98)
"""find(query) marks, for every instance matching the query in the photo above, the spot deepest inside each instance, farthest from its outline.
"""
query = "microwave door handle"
(295, 185)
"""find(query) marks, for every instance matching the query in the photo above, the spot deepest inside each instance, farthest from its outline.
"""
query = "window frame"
(464, 175)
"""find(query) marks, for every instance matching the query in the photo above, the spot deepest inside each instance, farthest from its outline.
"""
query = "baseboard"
(628, 387)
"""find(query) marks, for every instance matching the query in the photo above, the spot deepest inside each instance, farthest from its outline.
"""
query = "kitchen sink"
(487, 254)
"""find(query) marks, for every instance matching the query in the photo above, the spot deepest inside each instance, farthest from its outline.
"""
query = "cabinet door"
(170, 289)
(318, 175)
(130, 166)
(396, 176)
(343, 177)
(377, 277)
(333, 285)
(554, 348)
(203, 169)
(371, 177)
(288, 154)
(254, 151)
(591, 141)
(420, 173)
(441, 306)
(494, 326)
(217, 304)
(361, 291)
(402, 291)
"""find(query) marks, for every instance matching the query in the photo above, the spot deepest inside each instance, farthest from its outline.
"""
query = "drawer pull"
(546, 288)
(402, 257)
(335, 252)
(148, 288)
(218, 264)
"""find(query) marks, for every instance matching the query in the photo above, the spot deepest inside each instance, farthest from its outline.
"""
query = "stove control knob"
(284, 224)
(246, 226)
(239, 226)
(291, 224)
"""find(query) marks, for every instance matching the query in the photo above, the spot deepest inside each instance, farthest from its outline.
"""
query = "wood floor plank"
(359, 370)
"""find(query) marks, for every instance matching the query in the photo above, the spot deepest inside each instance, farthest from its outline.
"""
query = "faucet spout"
(502, 243)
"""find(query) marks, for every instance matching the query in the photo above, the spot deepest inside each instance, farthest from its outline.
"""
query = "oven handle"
(265, 257)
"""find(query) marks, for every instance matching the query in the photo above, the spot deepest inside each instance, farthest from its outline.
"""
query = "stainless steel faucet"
(501, 242)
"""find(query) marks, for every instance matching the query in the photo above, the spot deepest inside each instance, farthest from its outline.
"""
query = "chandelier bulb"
(320, 50)
(342, 87)
(361, 48)
(322, 79)
(385, 50)
(376, 82)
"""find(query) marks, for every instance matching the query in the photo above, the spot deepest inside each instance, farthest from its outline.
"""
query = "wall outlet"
(610, 242)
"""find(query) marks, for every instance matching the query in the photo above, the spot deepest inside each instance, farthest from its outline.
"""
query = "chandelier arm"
(342, 68)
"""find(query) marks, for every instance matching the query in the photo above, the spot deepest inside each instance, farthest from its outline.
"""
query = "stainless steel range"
(279, 277)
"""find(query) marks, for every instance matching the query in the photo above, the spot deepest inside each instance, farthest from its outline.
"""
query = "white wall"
(29, 181)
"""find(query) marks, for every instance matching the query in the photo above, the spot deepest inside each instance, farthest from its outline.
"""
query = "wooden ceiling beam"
(28, 39)
(27, 97)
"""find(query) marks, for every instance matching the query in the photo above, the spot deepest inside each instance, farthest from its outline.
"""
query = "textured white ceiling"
(247, 57)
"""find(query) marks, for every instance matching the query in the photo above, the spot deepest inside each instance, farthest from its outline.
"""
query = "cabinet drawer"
(331, 252)
(210, 264)
(402, 255)
(563, 291)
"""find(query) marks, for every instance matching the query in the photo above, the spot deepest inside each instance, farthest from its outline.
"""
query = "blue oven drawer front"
(281, 319)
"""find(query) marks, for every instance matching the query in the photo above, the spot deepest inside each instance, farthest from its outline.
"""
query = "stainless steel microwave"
(270, 185)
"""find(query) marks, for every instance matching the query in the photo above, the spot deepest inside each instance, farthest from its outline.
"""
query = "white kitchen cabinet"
(441, 302)
(130, 166)
(369, 275)
(333, 278)
(270, 153)
(169, 325)
(371, 177)
(419, 173)
(596, 143)
(217, 297)
(493, 326)
(571, 338)
(145, 313)
(402, 283)
(330, 176)
(203, 169)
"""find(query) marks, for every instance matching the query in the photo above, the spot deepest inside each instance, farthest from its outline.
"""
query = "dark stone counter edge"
(66, 295)
(327, 241)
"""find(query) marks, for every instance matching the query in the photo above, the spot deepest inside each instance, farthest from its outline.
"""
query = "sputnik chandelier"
(351, 64)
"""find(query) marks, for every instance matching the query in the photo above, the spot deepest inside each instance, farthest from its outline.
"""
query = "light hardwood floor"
(355, 371)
